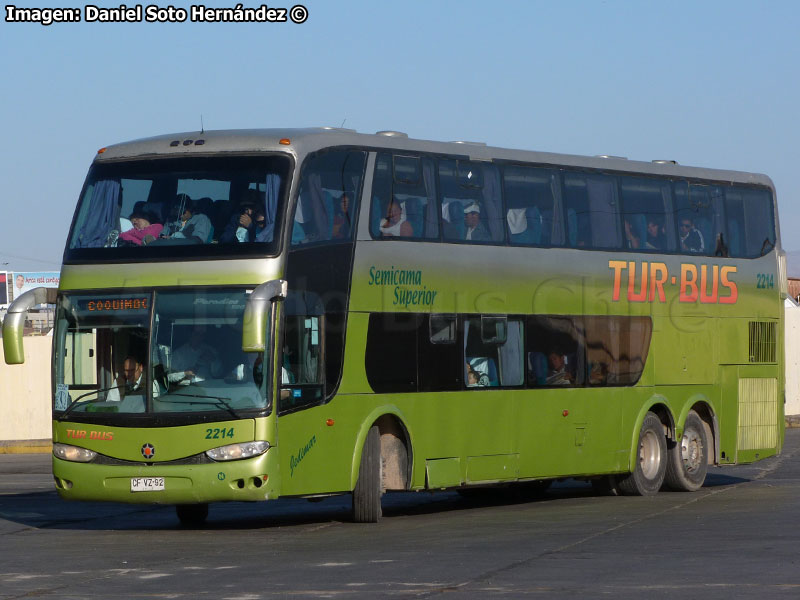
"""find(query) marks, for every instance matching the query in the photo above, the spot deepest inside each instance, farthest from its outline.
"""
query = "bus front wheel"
(368, 490)
(651, 460)
(688, 458)
(191, 514)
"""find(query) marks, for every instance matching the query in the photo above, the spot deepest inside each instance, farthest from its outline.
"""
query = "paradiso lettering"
(403, 280)
(710, 284)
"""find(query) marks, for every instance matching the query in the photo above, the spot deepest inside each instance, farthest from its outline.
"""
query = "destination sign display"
(106, 305)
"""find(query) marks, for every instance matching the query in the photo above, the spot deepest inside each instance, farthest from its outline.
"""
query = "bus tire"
(192, 514)
(687, 462)
(651, 460)
(368, 490)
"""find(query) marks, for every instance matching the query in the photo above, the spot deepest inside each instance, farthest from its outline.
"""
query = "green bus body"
(699, 360)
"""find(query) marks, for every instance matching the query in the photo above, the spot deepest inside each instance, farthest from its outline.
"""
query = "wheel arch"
(659, 406)
(390, 420)
(701, 405)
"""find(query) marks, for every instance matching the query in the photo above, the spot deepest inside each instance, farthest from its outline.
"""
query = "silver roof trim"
(304, 141)
(390, 133)
(342, 129)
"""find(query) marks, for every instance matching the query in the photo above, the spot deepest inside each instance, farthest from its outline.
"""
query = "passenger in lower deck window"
(475, 230)
(558, 372)
(475, 378)
(691, 238)
(598, 373)
(395, 223)
(130, 381)
(196, 360)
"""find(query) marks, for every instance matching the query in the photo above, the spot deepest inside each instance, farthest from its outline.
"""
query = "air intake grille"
(763, 341)
(758, 413)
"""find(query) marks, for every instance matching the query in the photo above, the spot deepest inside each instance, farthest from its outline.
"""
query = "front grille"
(197, 459)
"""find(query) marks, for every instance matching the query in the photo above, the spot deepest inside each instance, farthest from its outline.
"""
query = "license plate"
(147, 484)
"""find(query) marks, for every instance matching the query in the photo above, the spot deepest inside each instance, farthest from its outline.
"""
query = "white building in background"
(792, 346)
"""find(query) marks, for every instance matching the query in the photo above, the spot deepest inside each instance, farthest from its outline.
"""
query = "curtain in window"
(273, 186)
(103, 215)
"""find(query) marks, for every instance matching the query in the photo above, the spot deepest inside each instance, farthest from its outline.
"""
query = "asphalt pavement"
(735, 538)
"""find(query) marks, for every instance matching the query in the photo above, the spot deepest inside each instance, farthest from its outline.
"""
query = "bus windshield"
(110, 359)
(180, 208)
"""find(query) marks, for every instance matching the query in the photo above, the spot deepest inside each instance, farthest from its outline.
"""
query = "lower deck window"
(409, 352)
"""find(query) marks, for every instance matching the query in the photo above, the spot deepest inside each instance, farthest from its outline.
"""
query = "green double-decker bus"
(248, 315)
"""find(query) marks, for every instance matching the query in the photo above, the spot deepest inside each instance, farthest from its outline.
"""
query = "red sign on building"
(3, 288)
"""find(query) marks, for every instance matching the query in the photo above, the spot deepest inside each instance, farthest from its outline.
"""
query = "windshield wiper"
(75, 402)
(215, 401)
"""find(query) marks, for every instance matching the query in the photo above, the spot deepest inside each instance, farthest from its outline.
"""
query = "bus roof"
(302, 141)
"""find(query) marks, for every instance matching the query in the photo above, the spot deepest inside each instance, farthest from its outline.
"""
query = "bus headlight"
(237, 451)
(73, 453)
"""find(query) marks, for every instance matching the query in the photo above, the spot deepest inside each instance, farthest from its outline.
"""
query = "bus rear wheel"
(368, 490)
(651, 460)
(192, 514)
(688, 458)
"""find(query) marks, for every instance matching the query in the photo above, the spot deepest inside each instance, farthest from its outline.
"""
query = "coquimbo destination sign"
(248, 315)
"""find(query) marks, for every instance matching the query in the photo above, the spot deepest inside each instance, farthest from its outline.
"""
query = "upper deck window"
(404, 198)
(590, 201)
(328, 197)
(472, 209)
(197, 207)
(531, 209)
(647, 214)
(750, 222)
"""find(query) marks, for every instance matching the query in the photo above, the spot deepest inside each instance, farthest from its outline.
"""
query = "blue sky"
(713, 84)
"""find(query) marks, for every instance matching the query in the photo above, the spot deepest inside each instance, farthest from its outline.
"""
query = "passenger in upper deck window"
(341, 219)
(395, 223)
(691, 238)
(631, 239)
(144, 230)
(241, 227)
(656, 240)
(193, 227)
(475, 231)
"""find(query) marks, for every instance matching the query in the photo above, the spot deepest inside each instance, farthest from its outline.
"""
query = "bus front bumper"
(247, 480)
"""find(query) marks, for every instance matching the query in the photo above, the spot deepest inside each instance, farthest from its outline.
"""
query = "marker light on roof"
(285, 141)
(101, 150)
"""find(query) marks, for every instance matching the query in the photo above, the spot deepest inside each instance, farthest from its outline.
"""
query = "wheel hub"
(691, 451)
(649, 455)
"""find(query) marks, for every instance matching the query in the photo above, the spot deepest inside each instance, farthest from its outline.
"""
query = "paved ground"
(736, 538)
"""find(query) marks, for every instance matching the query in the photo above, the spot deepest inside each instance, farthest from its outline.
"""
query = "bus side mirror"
(15, 321)
(254, 331)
